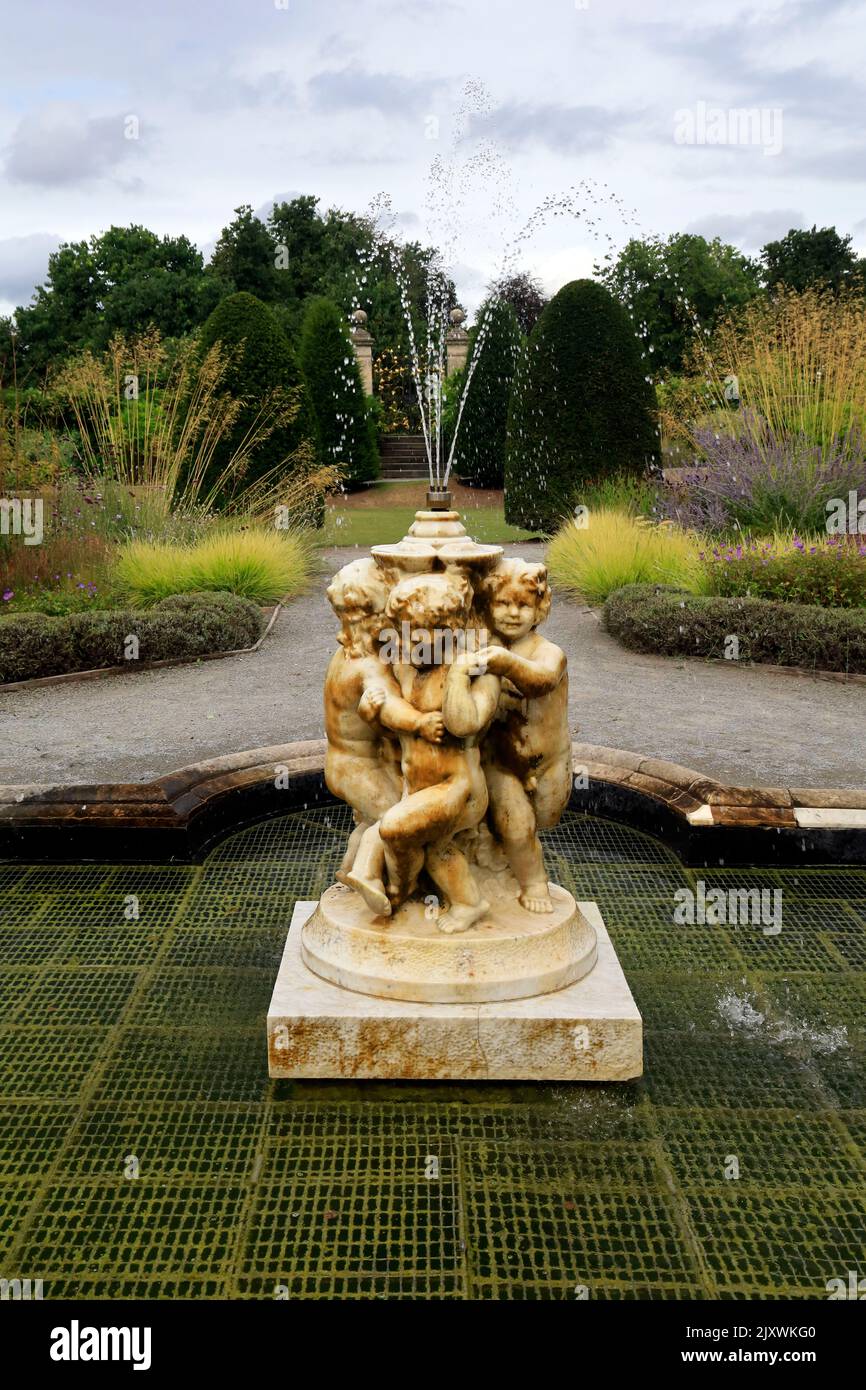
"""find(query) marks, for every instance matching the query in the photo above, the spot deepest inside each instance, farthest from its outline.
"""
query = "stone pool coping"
(181, 815)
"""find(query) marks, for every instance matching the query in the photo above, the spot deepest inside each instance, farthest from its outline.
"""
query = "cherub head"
(516, 598)
(358, 593)
(426, 608)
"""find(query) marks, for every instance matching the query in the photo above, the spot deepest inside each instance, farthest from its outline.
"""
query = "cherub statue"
(362, 764)
(445, 789)
(527, 753)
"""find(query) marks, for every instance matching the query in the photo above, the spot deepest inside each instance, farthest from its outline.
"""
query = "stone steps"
(404, 457)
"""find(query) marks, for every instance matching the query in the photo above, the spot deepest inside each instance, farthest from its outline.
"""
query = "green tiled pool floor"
(145, 1154)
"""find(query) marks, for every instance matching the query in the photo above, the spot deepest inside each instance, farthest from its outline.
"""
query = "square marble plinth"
(589, 1031)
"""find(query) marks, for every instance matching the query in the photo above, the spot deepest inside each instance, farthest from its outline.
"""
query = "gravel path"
(742, 725)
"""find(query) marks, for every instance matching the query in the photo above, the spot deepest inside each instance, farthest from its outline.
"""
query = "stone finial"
(457, 317)
(362, 342)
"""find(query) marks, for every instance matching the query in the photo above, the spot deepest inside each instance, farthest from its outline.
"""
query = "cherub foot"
(372, 890)
(460, 916)
(535, 897)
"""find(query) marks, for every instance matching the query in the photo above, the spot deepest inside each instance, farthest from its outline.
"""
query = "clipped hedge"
(581, 407)
(261, 362)
(327, 357)
(33, 644)
(671, 622)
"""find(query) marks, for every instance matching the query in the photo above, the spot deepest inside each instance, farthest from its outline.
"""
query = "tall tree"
(525, 295)
(672, 287)
(126, 279)
(298, 233)
(806, 258)
(581, 406)
(261, 364)
(479, 453)
(328, 361)
(245, 256)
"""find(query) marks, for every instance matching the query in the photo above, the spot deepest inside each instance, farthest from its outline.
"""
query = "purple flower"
(7, 594)
(761, 477)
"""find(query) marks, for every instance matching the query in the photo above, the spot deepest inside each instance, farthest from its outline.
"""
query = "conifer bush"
(327, 358)
(581, 406)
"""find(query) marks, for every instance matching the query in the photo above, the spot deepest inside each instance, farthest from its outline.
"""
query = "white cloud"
(60, 144)
(23, 264)
(333, 100)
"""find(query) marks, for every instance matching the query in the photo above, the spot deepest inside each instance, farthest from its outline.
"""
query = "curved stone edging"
(182, 814)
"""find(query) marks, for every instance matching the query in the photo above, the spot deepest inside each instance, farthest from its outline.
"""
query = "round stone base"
(509, 954)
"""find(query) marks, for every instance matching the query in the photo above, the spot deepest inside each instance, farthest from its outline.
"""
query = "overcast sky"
(468, 113)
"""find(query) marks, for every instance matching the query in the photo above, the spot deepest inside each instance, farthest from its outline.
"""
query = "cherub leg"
(514, 823)
(553, 789)
(366, 873)
(404, 864)
(352, 847)
(407, 828)
(449, 870)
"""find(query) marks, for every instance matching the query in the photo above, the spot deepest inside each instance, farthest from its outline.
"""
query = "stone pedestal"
(587, 1031)
(512, 954)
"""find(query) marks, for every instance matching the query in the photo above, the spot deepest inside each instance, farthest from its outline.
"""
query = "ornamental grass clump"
(263, 566)
(608, 549)
(800, 364)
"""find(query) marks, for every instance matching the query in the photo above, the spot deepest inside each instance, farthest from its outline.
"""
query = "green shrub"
(327, 358)
(611, 549)
(647, 618)
(480, 451)
(263, 566)
(581, 406)
(262, 367)
(33, 645)
(375, 417)
(621, 492)
(828, 571)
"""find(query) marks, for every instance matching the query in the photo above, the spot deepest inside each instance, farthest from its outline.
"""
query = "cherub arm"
(468, 705)
(389, 708)
(531, 677)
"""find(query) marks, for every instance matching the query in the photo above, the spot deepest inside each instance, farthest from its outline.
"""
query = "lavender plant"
(754, 480)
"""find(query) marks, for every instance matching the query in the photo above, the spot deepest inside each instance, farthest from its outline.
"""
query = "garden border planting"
(665, 621)
(181, 627)
(270, 614)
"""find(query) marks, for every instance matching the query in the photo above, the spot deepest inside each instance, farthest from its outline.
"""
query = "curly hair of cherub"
(358, 588)
(528, 576)
(427, 600)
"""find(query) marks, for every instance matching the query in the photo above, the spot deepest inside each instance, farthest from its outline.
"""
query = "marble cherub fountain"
(446, 714)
